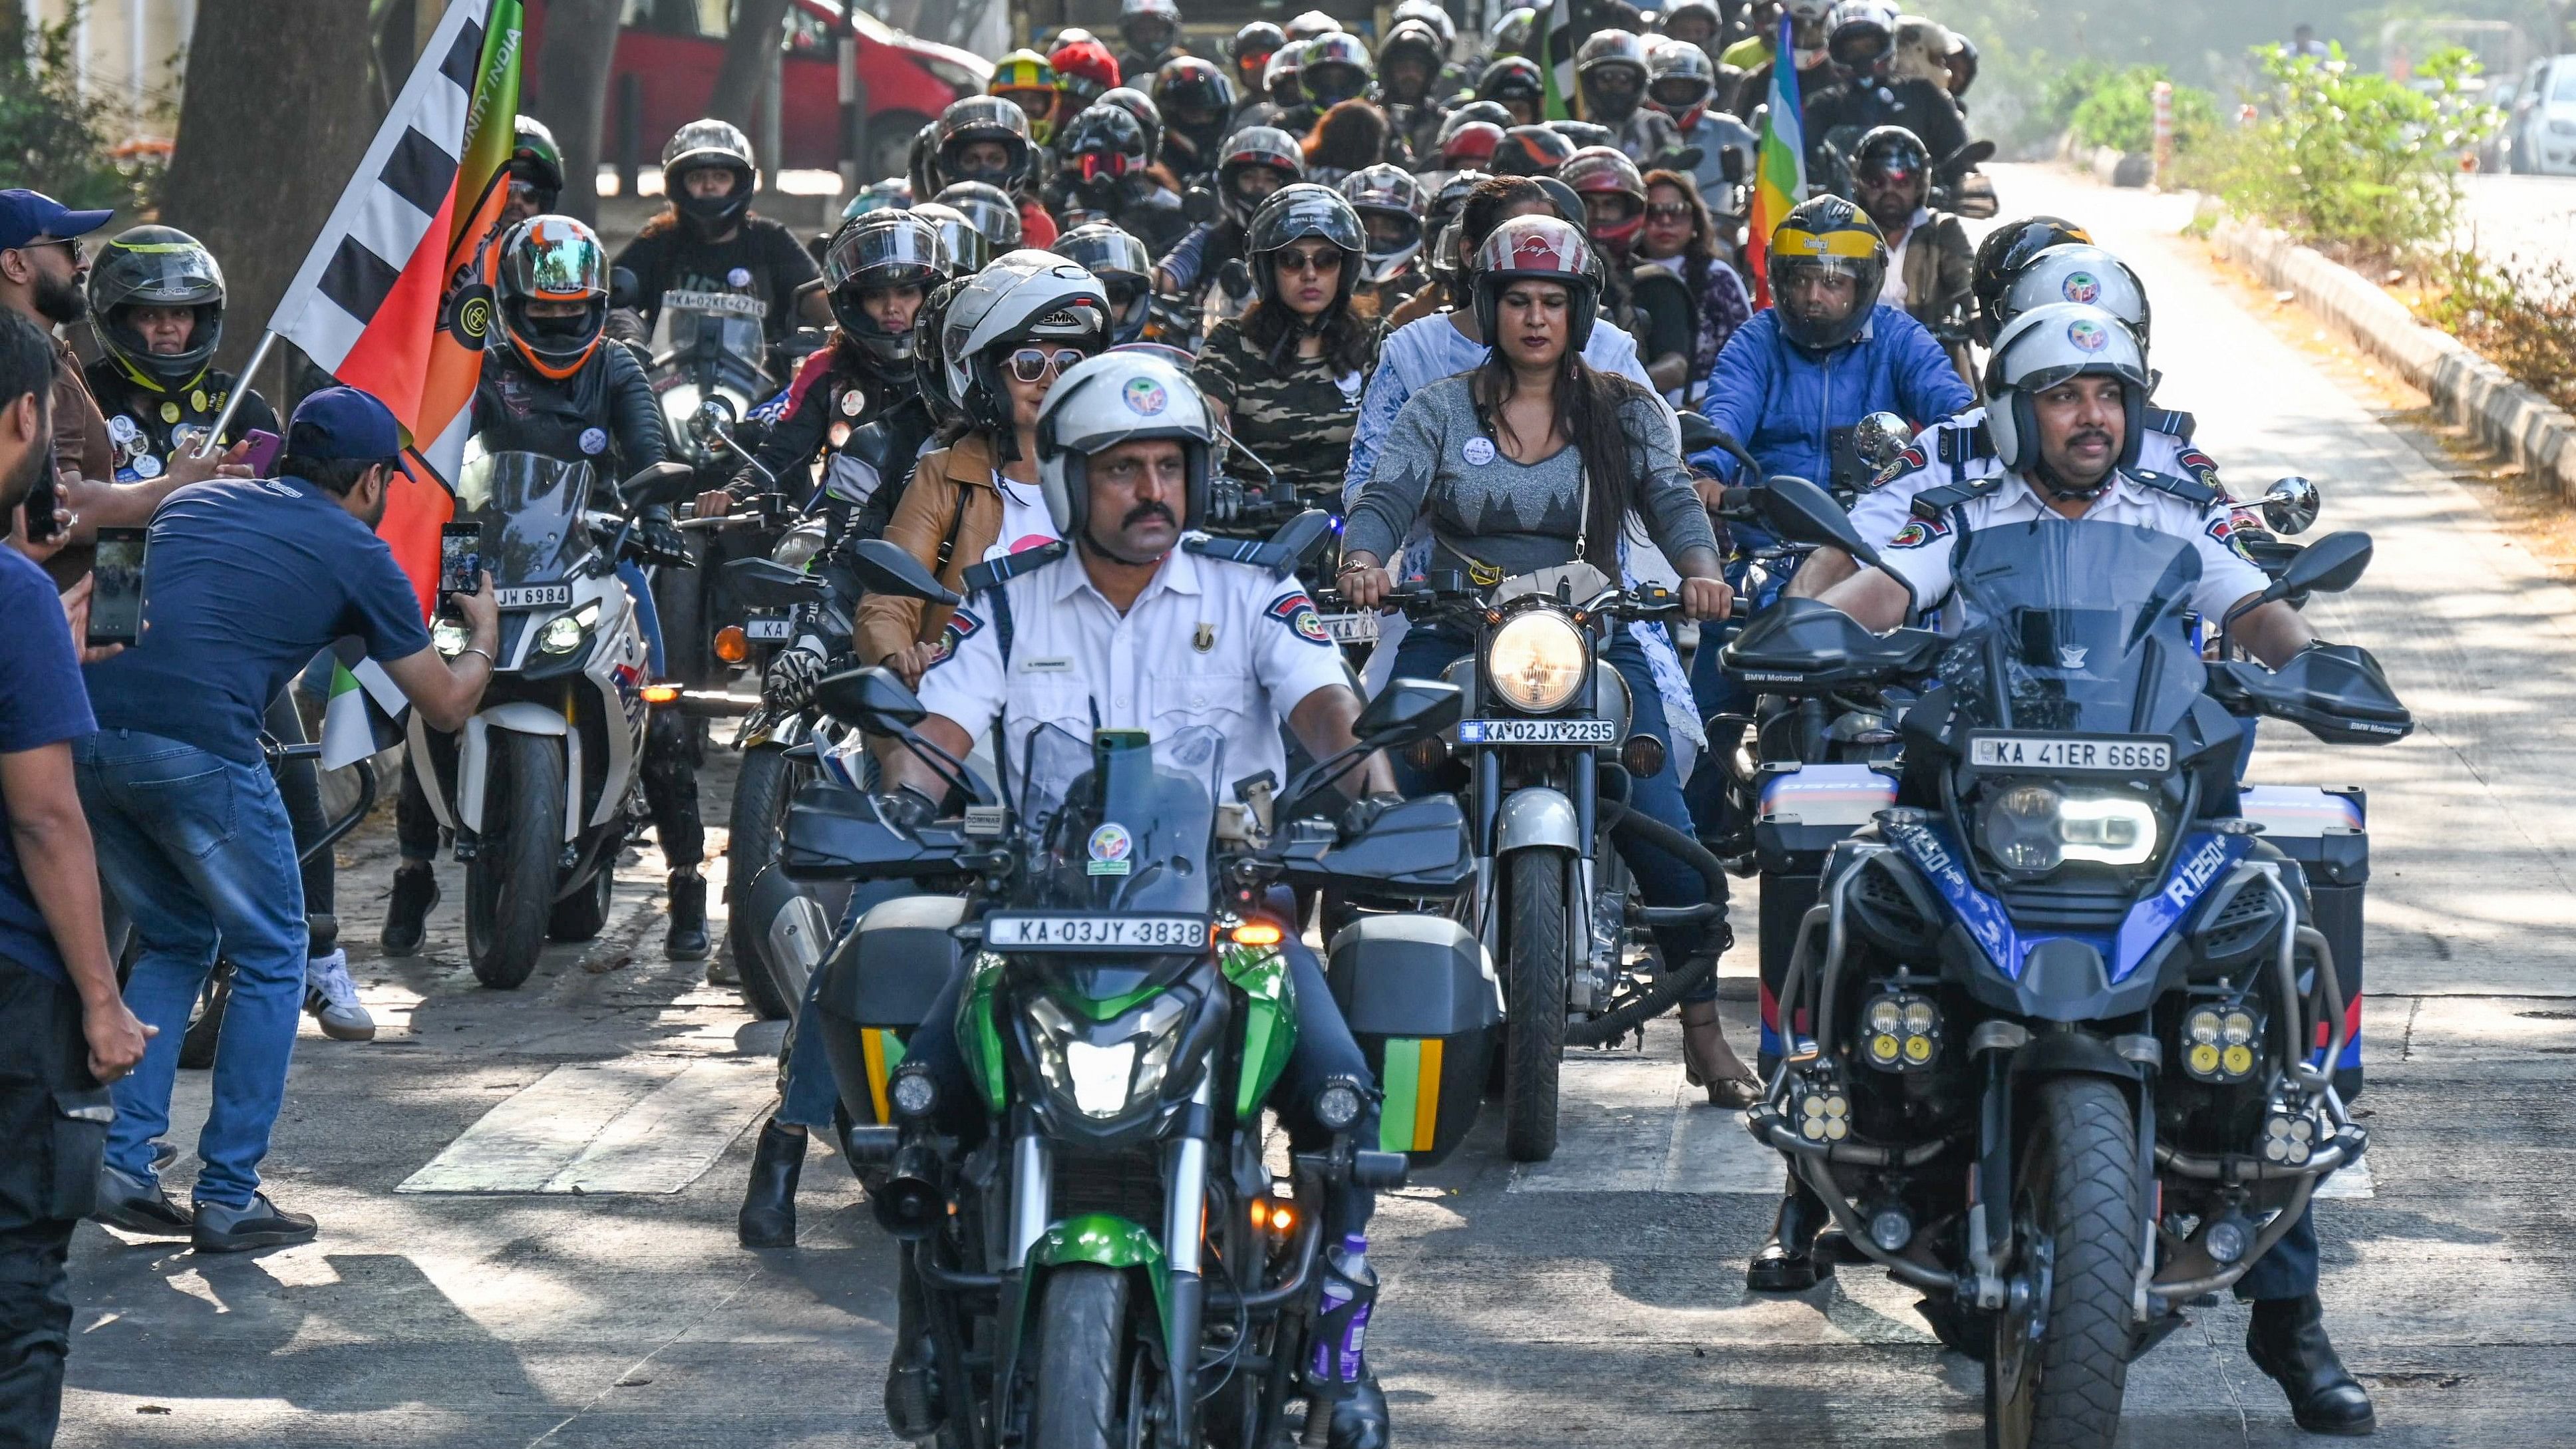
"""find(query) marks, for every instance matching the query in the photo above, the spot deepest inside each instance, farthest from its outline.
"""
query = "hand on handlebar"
(1363, 583)
(1707, 599)
(714, 503)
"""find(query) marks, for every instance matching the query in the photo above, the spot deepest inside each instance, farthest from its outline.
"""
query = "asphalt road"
(573, 1279)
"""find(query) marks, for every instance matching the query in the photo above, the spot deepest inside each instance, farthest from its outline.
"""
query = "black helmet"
(965, 248)
(1829, 235)
(1610, 69)
(921, 161)
(1417, 40)
(1337, 68)
(1148, 115)
(1516, 31)
(156, 266)
(1541, 248)
(1892, 154)
(978, 119)
(1294, 213)
(1149, 25)
(1104, 143)
(989, 208)
(1512, 78)
(537, 160)
(1124, 269)
(881, 249)
(2001, 256)
(698, 146)
(1449, 200)
(1187, 83)
(1251, 49)
(1256, 146)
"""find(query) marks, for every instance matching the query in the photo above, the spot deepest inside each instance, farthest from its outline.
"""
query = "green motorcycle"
(1109, 1259)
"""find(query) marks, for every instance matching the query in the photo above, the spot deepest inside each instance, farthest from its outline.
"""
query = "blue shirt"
(245, 580)
(41, 703)
(1782, 402)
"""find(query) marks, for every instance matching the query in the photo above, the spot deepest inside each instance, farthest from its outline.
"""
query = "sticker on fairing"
(1110, 847)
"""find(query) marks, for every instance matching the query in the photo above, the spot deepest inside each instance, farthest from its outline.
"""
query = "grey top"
(1516, 517)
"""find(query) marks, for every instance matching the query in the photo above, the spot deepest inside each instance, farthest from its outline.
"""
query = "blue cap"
(343, 423)
(26, 215)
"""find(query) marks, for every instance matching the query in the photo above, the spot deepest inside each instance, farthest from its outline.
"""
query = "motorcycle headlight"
(562, 634)
(449, 638)
(2033, 829)
(1105, 1068)
(1536, 661)
(797, 548)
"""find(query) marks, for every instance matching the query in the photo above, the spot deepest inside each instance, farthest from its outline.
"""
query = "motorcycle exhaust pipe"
(909, 1206)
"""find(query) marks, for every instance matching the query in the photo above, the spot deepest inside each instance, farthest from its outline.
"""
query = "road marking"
(2351, 1184)
(633, 1125)
(1632, 1124)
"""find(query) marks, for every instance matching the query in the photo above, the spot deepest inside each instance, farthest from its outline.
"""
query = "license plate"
(765, 630)
(2089, 754)
(1536, 732)
(532, 596)
(1095, 933)
(1359, 628)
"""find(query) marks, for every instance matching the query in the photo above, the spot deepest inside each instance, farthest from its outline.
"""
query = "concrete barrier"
(2114, 167)
(2469, 390)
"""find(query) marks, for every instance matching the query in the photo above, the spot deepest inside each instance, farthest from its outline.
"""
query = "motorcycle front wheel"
(760, 794)
(2061, 1358)
(1534, 1008)
(1079, 1368)
(510, 882)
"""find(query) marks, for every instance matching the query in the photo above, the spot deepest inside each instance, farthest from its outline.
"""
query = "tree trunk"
(572, 65)
(748, 48)
(268, 136)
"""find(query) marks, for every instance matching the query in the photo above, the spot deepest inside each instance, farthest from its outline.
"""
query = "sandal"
(1704, 1040)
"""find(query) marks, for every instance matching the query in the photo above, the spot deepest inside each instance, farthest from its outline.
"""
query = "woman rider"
(1680, 237)
(1533, 461)
(1285, 377)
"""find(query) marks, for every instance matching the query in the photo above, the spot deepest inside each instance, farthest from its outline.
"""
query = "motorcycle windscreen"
(2076, 625)
(530, 508)
(1122, 822)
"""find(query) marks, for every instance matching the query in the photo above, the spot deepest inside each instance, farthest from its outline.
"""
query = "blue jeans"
(199, 851)
(808, 1096)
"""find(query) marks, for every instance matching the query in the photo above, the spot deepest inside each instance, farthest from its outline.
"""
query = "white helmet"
(1310, 24)
(1118, 397)
(2044, 347)
(2073, 272)
(1022, 296)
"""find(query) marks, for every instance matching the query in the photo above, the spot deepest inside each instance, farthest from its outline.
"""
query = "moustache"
(1143, 511)
(2090, 435)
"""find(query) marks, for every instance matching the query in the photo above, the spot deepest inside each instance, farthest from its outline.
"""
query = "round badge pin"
(197, 399)
(2082, 287)
(738, 277)
(2087, 336)
(122, 429)
(594, 441)
(147, 466)
(1144, 397)
(169, 412)
(853, 403)
(1479, 452)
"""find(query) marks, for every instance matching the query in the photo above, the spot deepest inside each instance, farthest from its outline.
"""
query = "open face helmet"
(1115, 398)
(965, 247)
(1024, 78)
(876, 252)
(2001, 256)
(1826, 236)
(1023, 296)
(1149, 26)
(1543, 249)
(989, 208)
(156, 266)
(1680, 79)
(536, 162)
(2047, 346)
(1337, 69)
(1293, 214)
(1251, 50)
(704, 145)
(1256, 148)
(1391, 205)
(2076, 272)
(1610, 69)
(552, 259)
(1125, 272)
(1613, 192)
(980, 121)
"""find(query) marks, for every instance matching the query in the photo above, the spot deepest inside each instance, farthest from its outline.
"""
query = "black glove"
(788, 683)
(660, 539)
(1363, 813)
(906, 808)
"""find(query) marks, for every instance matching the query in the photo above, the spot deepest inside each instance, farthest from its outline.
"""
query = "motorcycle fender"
(786, 732)
(2072, 1053)
(1103, 1240)
(1269, 1023)
(474, 757)
(1534, 817)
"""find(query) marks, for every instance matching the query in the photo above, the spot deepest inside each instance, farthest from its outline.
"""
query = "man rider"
(1257, 161)
(986, 139)
(536, 173)
(558, 388)
(1152, 30)
(1930, 263)
(1862, 40)
(1197, 103)
(1407, 64)
(1130, 626)
(709, 240)
(1681, 81)
(2068, 384)
(1610, 71)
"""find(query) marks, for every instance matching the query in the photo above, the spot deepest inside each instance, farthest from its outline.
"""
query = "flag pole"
(233, 401)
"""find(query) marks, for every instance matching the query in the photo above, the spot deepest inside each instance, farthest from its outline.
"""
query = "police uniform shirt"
(1209, 642)
(1883, 512)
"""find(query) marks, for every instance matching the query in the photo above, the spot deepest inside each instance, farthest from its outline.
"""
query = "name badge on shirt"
(1478, 452)
(1046, 666)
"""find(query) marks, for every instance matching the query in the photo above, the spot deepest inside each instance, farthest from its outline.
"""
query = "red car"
(668, 52)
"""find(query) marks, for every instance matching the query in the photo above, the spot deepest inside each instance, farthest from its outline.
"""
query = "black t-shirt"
(762, 260)
(145, 425)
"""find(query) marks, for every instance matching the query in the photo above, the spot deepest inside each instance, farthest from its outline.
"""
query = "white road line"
(636, 1124)
(2351, 1184)
(671, 1138)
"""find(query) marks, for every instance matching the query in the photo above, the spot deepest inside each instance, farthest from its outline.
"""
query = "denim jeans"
(199, 851)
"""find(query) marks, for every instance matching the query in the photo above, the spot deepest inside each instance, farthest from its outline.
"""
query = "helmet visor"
(560, 266)
(164, 274)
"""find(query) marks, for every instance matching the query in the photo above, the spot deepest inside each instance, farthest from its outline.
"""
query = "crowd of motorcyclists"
(1135, 302)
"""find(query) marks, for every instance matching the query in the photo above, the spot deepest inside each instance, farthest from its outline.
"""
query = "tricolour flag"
(390, 298)
(1556, 41)
(360, 719)
(1780, 177)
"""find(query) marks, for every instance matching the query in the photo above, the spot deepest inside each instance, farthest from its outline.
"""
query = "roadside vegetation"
(59, 141)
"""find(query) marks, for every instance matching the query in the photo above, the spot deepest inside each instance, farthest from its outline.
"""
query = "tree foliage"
(52, 137)
(2120, 112)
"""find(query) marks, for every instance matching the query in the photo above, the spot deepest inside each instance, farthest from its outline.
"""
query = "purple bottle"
(1351, 1277)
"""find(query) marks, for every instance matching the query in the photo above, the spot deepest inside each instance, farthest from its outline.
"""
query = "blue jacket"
(1779, 400)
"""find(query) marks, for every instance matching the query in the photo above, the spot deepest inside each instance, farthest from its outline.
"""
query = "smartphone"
(264, 448)
(116, 593)
(41, 502)
(460, 559)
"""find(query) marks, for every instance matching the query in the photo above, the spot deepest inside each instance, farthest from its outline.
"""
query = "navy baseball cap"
(342, 423)
(26, 215)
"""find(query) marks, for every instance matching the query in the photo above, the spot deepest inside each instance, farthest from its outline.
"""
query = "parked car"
(2540, 130)
(668, 52)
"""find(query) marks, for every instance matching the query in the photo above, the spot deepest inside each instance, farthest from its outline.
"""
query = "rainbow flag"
(1780, 178)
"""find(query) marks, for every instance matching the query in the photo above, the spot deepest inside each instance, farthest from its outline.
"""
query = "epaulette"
(2189, 490)
(1965, 445)
(993, 572)
(1262, 553)
(1931, 503)
(2172, 422)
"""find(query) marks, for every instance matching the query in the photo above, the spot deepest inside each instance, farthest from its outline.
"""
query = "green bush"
(55, 138)
(2120, 112)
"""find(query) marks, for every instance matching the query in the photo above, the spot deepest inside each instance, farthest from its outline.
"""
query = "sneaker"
(258, 1224)
(138, 1205)
(333, 999)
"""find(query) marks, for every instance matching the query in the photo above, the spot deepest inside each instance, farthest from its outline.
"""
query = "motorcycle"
(537, 790)
(710, 364)
(2052, 1030)
(1114, 1263)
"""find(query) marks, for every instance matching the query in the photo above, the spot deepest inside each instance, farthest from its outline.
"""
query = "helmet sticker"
(1144, 397)
(1110, 848)
(1297, 613)
(2087, 335)
(2082, 287)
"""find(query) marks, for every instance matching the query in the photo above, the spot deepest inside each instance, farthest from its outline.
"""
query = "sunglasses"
(1317, 262)
(1032, 363)
(70, 243)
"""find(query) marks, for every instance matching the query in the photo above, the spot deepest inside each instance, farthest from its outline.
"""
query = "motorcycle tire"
(2076, 1212)
(510, 882)
(1080, 1365)
(206, 1019)
(760, 794)
(582, 915)
(1534, 949)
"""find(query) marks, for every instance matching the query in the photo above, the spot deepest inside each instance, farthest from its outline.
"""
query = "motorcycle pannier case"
(1804, 811)
(2327, 832)
(1422, 997)
(878, 984)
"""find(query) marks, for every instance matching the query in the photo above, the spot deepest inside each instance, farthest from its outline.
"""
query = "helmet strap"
(2058, 488)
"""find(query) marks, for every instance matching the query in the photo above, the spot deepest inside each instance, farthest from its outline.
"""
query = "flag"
(389, 299)
(359, 720)
(1780, 177)
(1556, 64)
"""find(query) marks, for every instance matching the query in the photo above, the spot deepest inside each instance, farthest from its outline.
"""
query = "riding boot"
(1703, 1045)
(687, 940)
(407, 916)
(1789, 1263)
(2288, 1341)
(768, 1217)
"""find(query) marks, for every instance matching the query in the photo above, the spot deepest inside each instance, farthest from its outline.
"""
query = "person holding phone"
(250, 578)
(156, 308)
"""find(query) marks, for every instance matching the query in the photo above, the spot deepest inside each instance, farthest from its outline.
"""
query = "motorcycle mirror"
(883, 567)
(1200, 205)
(662, 483)
(1408, 710)
(768, 584)
(714, 419)
(1975, 153)
(623, 289)
(2330, 565)
(873, 699)
(1801, 512)
(2290, 506)
(1730, 165)
(1698, 433)
(1296, 541)
(1880, 439)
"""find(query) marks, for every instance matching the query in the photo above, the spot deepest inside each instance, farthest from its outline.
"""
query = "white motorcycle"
(539, 790)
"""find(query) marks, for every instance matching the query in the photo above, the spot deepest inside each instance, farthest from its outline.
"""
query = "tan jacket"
(888, 623)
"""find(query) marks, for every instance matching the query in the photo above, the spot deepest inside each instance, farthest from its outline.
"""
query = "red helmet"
(1084, 70)
(1538, 248)
(1470, 145)
(1607, 171)
(1531, 151)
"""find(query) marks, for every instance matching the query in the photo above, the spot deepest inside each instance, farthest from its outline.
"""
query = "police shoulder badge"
(1297, 612)
(1111, 850)
(962, 626)
(2222, 526)
(1919, 532)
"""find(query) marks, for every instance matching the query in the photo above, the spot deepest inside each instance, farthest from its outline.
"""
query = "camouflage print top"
(1297, 418)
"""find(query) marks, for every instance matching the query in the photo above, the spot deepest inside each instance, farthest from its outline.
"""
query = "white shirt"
(1209, 642)
(1882, 512)
(1026, 523)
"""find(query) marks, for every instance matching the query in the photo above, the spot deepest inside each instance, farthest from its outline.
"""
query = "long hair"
(1348, 340)
(1348, 137)
(1592, 409)
(1700, 253)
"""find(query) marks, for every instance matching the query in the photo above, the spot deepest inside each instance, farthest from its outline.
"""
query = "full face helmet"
(1513, 78)
(1433, 15)
(1280, 80)
(705, 145)
(1532, 151)
(1514, 31)
(1891, 157)
(1411, 44)
(2001, 256)
(1148, 115)
(1125, 272)
(1196, 99)
(1024, 78)
(1337, 69)
(1023, 296)
(549, 259)
(1449, 200)
(1293, 214)
(1469, 145)
(1542, 249)
(1391, 207)
(989, 208)
(1149, 26)
(1613, 193)
(1256, 148)
(979, 121)
(966, 248)
(2047, 346)
(1610, 70)
(1680, 79)
(1251, 50)
(156, 266)
(1859, 34)
(2079, 273)
(1084, 71)
(879, 251)
(1103, 145)
(1694, 23)
(1306, 25)
(1119, 397)
(1826, 236)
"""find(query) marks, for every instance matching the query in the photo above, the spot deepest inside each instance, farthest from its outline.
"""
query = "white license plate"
(532, 596)
(1536, 732)
(2095, 754)
(765, 630)
(1359, 628)
(1035, 932)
